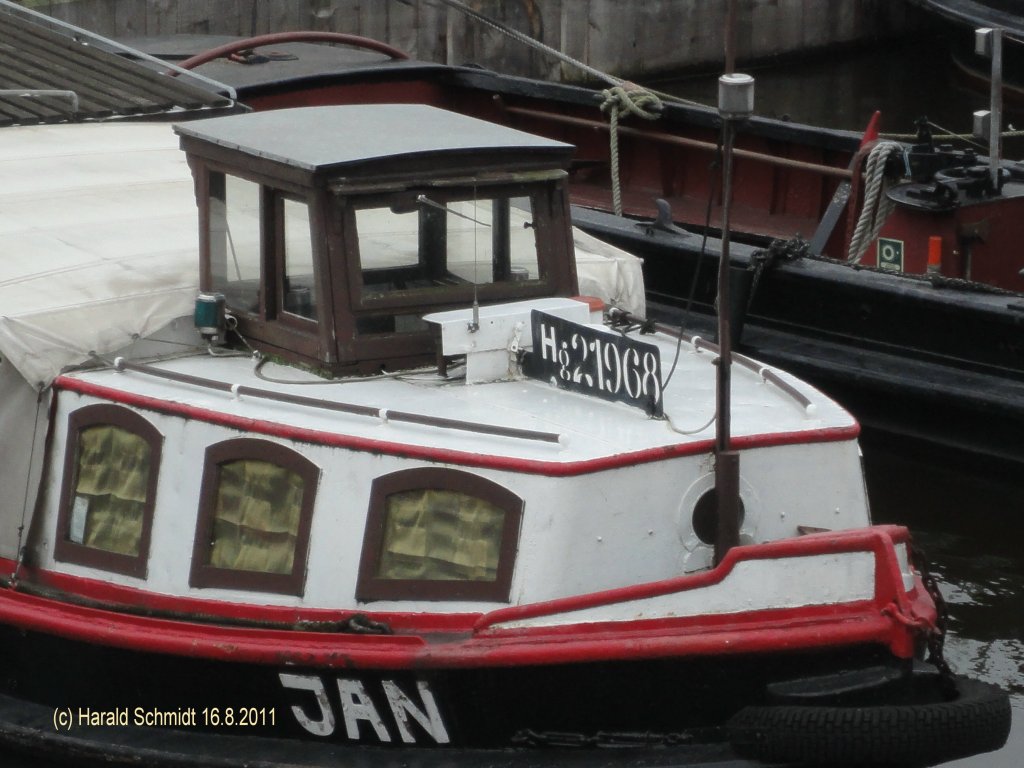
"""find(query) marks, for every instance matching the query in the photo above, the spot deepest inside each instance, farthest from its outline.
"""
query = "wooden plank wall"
(630, 38)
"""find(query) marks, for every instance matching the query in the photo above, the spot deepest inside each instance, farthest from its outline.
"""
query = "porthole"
(705, 517)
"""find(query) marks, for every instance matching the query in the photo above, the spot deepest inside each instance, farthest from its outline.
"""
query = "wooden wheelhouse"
(330, 260)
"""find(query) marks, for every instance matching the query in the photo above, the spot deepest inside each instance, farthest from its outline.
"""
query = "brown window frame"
(542, 198)
(370, 587)
(292, 336)
(204, 575)
(68, 551)
(276, 225)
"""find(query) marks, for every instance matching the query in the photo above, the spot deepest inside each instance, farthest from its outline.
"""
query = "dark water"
(971, 528)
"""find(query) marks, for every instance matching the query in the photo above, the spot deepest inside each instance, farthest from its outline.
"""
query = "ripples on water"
(970, 528)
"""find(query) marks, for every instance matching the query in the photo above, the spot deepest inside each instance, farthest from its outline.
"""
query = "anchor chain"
(937, 637)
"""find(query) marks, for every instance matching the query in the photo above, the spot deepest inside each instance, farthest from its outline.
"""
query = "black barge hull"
(928, 360)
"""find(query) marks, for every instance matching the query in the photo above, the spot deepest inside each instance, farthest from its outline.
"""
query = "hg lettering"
(357, 706)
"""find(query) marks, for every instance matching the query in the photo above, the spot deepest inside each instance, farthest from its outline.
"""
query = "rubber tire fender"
(976, 720)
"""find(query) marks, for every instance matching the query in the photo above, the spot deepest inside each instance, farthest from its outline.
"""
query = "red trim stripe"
(437, 640)
(446, 456)
(795, 629)
(103, 593)
(878, 540)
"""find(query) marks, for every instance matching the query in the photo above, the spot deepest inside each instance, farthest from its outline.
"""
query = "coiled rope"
(623, 100)
(877, 206)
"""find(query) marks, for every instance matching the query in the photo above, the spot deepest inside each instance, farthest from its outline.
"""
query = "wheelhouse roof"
(345, 137)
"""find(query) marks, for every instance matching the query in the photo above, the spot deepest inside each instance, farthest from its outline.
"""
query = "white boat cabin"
(385, 450)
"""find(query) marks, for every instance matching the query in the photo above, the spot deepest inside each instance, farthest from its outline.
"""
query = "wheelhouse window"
(256, 230)
(255, 513)
(425, 247)
(300, 289)
(109, 490)
(439, 534)
(235, 234)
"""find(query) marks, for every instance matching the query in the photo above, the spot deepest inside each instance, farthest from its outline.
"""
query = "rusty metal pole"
(730, 37)
(735, 104)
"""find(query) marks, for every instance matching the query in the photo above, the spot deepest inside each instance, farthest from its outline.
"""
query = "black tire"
(977, 720)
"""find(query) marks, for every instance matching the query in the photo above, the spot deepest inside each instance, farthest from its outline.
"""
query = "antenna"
(735, 104)
(474, 324)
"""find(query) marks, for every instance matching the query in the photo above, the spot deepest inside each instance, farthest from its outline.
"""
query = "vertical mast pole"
(735, 103)
(988, 41)
(730, 37)
(996, 96)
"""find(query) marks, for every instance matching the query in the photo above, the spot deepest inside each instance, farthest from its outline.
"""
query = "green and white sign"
(890, 254)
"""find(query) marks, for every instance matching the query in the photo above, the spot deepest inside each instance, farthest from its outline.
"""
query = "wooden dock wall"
(630, 38)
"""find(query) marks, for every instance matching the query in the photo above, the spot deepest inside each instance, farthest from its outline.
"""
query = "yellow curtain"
(440, 535)
(256, 518)
(111, 486)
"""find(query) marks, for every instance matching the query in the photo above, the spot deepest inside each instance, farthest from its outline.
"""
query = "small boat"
(392, 490)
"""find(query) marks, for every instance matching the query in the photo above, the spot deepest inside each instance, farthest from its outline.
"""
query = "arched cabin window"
(109, 490)
(255, 513)
(439, 534)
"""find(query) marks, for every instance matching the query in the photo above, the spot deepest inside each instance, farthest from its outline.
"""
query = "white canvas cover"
(98, 241)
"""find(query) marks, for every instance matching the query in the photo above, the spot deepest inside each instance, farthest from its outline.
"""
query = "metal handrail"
(668, 138)
(238, 390)
(767, 374)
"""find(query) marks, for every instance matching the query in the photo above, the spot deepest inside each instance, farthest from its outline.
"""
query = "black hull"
(644, 714)
(940, 364)
(27, 728)
(670, 700)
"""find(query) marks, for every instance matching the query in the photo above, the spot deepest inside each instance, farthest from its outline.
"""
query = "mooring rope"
(968, 138)
(877, 206)
(621, 98)
(521, 37)
(620, 101)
